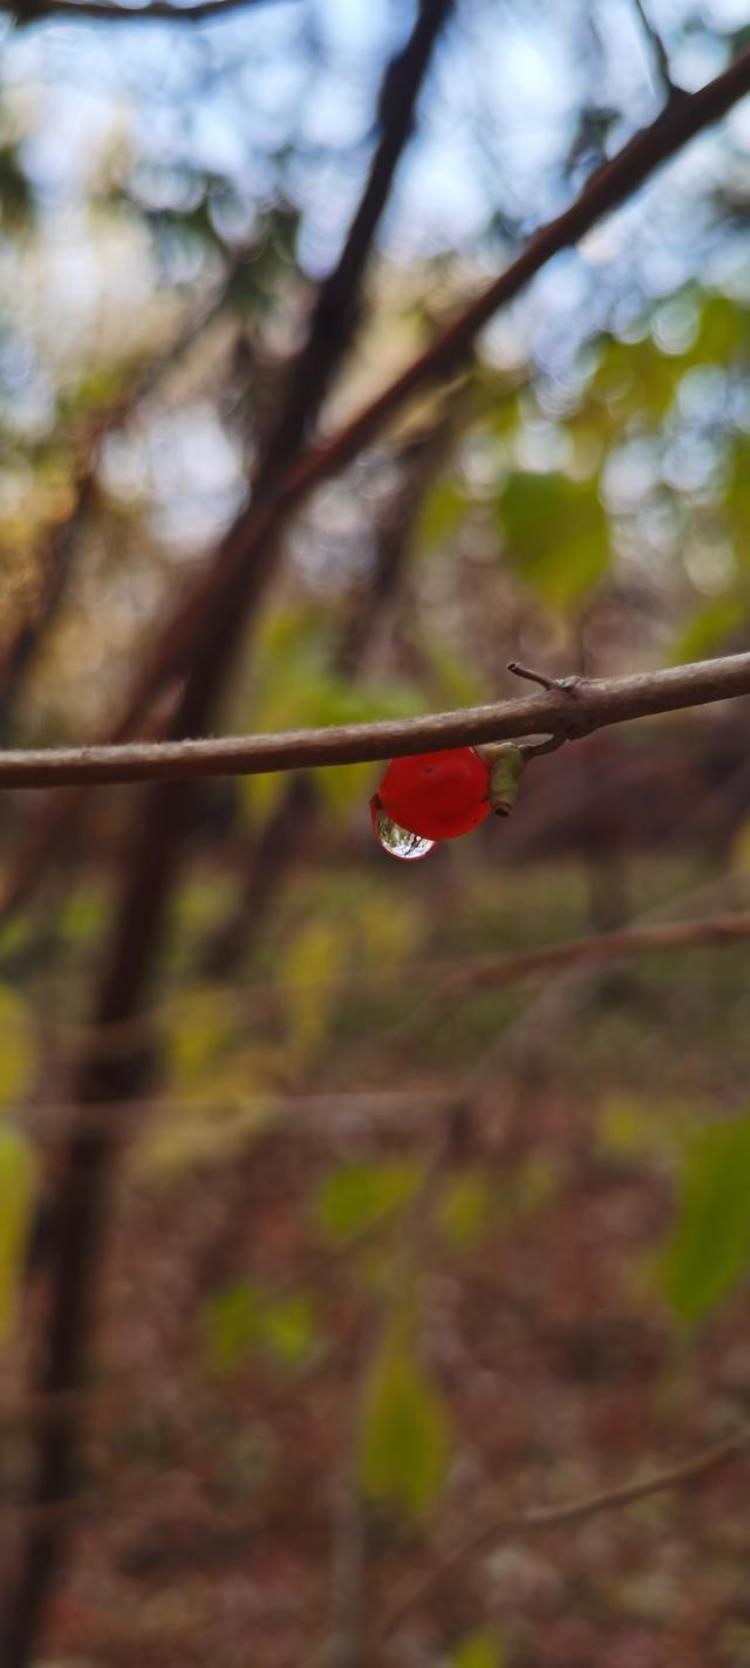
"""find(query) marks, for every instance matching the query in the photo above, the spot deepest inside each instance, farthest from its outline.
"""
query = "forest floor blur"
(268, 1233)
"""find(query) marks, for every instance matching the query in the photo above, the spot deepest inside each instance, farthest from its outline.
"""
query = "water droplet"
(398, 842)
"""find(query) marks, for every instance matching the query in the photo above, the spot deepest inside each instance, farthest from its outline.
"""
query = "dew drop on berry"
(398, 842)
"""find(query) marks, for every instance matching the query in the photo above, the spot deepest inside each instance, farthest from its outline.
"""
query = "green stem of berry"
(507, 764)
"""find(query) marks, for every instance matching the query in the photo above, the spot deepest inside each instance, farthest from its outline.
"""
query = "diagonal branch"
(213, 601)
(714, 931)
(618, 179)
(83, 1197)
(27, 12)
(18, 653)
(562, 1517)
(565, 712)
(338, 303)
(333, 324)
(658, 51)
(206, 641)
(288, 827)
(212, 604)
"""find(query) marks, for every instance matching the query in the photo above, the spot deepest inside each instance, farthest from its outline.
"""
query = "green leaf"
(353, 1197)
(442, 513)
(407, 1436)
(293, 637)
(242, 1319)
(83, 915)
(289, 1330)
(300, 689)
(536, 1182)
(737, 500)
(455, 676)
(200, 1032)
(344, 786)
(100, 387)
(556, 534)
(709, 1251)
(707, 632)
(464, 1212)
(633, 1128)
(341, 703)
(723, 331)
(480, 1650)
(231, 1325)
(636, 379)
(311, 973)
(292, 656)
(16, 1198)
(16, 1046)
(200, 1131)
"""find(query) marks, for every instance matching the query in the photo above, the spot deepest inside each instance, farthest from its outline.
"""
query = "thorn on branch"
(573, 726)
(659, 54)
(519, 671)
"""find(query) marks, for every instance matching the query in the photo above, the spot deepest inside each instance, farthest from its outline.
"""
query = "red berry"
(437, 795)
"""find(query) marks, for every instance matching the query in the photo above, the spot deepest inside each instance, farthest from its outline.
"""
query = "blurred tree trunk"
(108, 1075)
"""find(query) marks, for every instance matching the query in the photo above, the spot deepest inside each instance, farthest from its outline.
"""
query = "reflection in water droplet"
(398, 842)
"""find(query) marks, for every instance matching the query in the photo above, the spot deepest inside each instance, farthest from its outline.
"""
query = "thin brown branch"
(714, 932)
(248, 563)
(211, 605)
(344, 1646)
(140, 921)
(288, 827)
(610, 185)
(315, 1111)
(560, 1517)
(18, 654)
(41, 1517)
(255, 528)
(658, 51)
(350, 1526)
(321, 1115)
(565, 713)
(206, 642)
(27, 12)
(338, 302)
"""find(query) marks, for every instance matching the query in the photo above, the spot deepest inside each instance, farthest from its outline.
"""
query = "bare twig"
(598, 703)
(205, 640)
(213, 600)
(19, 652)
(716, 930)
(320, 1115)
(658, 52)
(338, 302)
(288, 827)
(314, 1112)
(619, 178)
(558, 1517)
(344, 1645)
(236, 586)
(252, 561)
(211, 606)
(541, 678)
(27, 12)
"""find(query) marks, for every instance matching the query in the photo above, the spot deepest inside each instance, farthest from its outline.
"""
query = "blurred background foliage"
(388, 1259)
